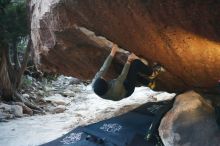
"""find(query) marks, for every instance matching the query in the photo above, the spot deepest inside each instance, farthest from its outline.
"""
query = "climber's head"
(100, 86)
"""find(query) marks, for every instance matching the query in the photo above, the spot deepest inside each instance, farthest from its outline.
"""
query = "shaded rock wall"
(184, 36)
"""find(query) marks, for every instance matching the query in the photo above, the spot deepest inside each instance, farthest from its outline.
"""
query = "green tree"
(14, 29)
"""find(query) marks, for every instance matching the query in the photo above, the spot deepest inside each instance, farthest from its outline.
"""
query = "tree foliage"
(14, 32)
(13, 21)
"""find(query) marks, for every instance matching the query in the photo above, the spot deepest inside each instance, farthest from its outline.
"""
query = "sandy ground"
(83, 109)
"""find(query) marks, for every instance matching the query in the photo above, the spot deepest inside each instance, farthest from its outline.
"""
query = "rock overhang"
(183, 36)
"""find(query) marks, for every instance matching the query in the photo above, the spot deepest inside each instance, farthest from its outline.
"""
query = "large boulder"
(181, 35)
(191, 122)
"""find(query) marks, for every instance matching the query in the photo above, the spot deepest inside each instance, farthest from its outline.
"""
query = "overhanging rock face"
(184, 36)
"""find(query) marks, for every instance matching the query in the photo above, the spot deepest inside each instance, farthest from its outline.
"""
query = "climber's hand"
(132, 57)
(114, 50)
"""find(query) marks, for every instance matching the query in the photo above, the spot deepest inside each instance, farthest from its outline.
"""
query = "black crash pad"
(129, 129)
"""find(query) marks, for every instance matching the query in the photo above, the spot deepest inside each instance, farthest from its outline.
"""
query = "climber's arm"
(124, 72)
(101, 73)
(126, 68)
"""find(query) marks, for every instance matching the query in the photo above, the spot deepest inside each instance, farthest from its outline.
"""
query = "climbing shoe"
(152, 84)
(157, 69)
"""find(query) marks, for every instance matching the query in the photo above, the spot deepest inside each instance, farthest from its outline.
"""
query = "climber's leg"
(136, 67)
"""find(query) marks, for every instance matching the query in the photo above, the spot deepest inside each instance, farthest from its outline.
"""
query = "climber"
(124, 85)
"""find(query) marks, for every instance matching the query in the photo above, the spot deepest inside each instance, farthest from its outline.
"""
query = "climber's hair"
(100, 86)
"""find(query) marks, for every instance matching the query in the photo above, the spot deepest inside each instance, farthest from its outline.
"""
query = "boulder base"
(190, 122)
